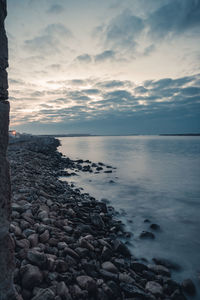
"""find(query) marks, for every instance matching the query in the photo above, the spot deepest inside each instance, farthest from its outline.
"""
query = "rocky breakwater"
(66, 242)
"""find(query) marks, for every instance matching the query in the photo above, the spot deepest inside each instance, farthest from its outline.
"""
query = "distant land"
(93, 135)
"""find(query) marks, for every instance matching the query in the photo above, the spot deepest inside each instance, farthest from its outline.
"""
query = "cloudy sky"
(104, 67)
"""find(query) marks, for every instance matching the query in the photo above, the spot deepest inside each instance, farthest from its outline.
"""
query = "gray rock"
(44, 294)
(188, 286)
(63, 291)
(31, 276)
(96, 220)
(154, 288)
(86, 283)
(110, 267)
(37, 258)
(131, 290)
(147, 235)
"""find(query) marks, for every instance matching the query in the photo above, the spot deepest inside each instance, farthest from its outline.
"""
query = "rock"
(160, 270)
(63, 291)
(155, 226)
(44, 237)
(86, 283)
(44, 294)
(154, 288)
(37, 258)
(31, 276)
(110, 267)
(188, 286)
(61, 266)
(131, 290)
(33, 239)
(106, 253)
(138, 267)
(96, 220)
(177, 295)
(167, 263)
(24, 244)
(147, 235)
(108, 275)
(121, 248)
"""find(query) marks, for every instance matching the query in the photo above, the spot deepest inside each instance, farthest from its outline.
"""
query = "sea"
(157, 178)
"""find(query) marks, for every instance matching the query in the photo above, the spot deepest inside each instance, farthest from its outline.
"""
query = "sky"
(104, 67)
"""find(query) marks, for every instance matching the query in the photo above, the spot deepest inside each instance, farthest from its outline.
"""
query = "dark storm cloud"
(55, 9)
(50, 39)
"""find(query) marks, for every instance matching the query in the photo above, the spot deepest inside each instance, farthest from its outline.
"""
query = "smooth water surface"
(157, 178)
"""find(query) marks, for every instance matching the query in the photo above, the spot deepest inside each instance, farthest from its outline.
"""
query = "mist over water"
(157, 178)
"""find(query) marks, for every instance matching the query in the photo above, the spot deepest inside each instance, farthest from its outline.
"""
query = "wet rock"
(167, 263)
(154, 226)
(121, 248)
(188, 286)
(177, 295)
(160, 270)
(131, 290)
(86, 283)
(31, 276)
(154, 288)
(138, 267)
(147, 235)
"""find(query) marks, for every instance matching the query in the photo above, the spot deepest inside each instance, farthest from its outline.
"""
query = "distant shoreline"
(98, 135)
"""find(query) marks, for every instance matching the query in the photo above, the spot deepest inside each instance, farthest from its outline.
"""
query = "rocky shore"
(67, 244)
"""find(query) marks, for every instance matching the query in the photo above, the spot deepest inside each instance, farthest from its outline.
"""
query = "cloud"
(55, 9)
(50, 41)
(167, 100)
(175, 17)
(106, 55)
(123, 30)
(86, 58)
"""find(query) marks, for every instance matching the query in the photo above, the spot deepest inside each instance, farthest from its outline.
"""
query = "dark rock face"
(6, 244)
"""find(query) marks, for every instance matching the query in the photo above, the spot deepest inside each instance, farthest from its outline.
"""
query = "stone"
(138, 267)
(44, 237)
(31, 276)
(37, 258)
(110, 267)
(154, 288)
(167, 263)
(147, 235)
(96, 220)
(131, 290)
(160, 270)
(188, 286)
(63, 291)
(33, 239)
(86, 283)
(44, 294)
(121, 248)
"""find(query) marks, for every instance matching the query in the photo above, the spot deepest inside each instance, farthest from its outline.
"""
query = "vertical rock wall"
(6, 246)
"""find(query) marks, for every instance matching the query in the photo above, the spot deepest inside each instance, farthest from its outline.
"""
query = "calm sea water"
(157, 178)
